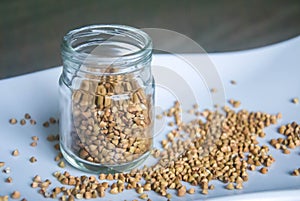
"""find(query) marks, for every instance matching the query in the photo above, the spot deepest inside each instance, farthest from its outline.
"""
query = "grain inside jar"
(112, 123)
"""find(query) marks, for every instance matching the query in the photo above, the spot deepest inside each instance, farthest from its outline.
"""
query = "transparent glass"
(106, 98)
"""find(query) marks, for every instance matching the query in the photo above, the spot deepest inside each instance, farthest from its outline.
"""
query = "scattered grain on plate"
(27, 116)
(233, 150)
(140, 190)
(46, 124)
(35, 138)
(23, 122)
(204, 191)
(15, 152)
(45, 184)
(52, 120)
(4, 198)
(34, 184)
(61, 164)
(33, 144)
(52, 138)
(114, 190)
(181, 191)
(32, 122)
(159, 116)
(279, 115)
(230, 186)
(33, 159)
(191, 111)
(6, 170)
(8, 180)
(286, 151)
(213, 90)
(144, 196)
(191, 191)
(264, 170)
(296, 172)
(239, 186)
(195, 106)
(102, 176)
(233, 82)
(2, 164)
(13, 121)
(24, 199)
(197, 113)
(71, 198)
(234, 103)
(58, 157)
(171, 124)
(290, 139)
(37, 178)
(295, 100)
(56, 146)
(16, 195)
(252, 167)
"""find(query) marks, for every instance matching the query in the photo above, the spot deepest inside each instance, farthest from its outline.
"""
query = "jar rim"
(133, 57)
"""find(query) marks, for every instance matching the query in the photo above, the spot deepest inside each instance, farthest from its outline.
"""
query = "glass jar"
(106, 98)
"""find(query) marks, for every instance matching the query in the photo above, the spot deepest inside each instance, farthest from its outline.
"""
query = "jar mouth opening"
(107, 45)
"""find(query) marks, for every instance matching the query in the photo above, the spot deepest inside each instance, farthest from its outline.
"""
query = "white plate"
(267, 78)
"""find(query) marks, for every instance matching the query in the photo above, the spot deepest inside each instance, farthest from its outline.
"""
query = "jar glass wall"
(106, 98)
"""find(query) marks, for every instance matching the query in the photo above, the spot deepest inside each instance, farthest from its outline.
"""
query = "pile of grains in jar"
(112, 120)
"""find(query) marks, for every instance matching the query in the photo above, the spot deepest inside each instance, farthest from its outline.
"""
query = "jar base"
(91, 167)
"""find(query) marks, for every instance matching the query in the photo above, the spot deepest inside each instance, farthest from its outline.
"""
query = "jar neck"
(106, 50)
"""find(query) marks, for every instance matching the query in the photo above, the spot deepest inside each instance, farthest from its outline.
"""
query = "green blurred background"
(31, 30)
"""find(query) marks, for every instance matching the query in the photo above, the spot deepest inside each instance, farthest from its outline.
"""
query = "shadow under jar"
(106, 98)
